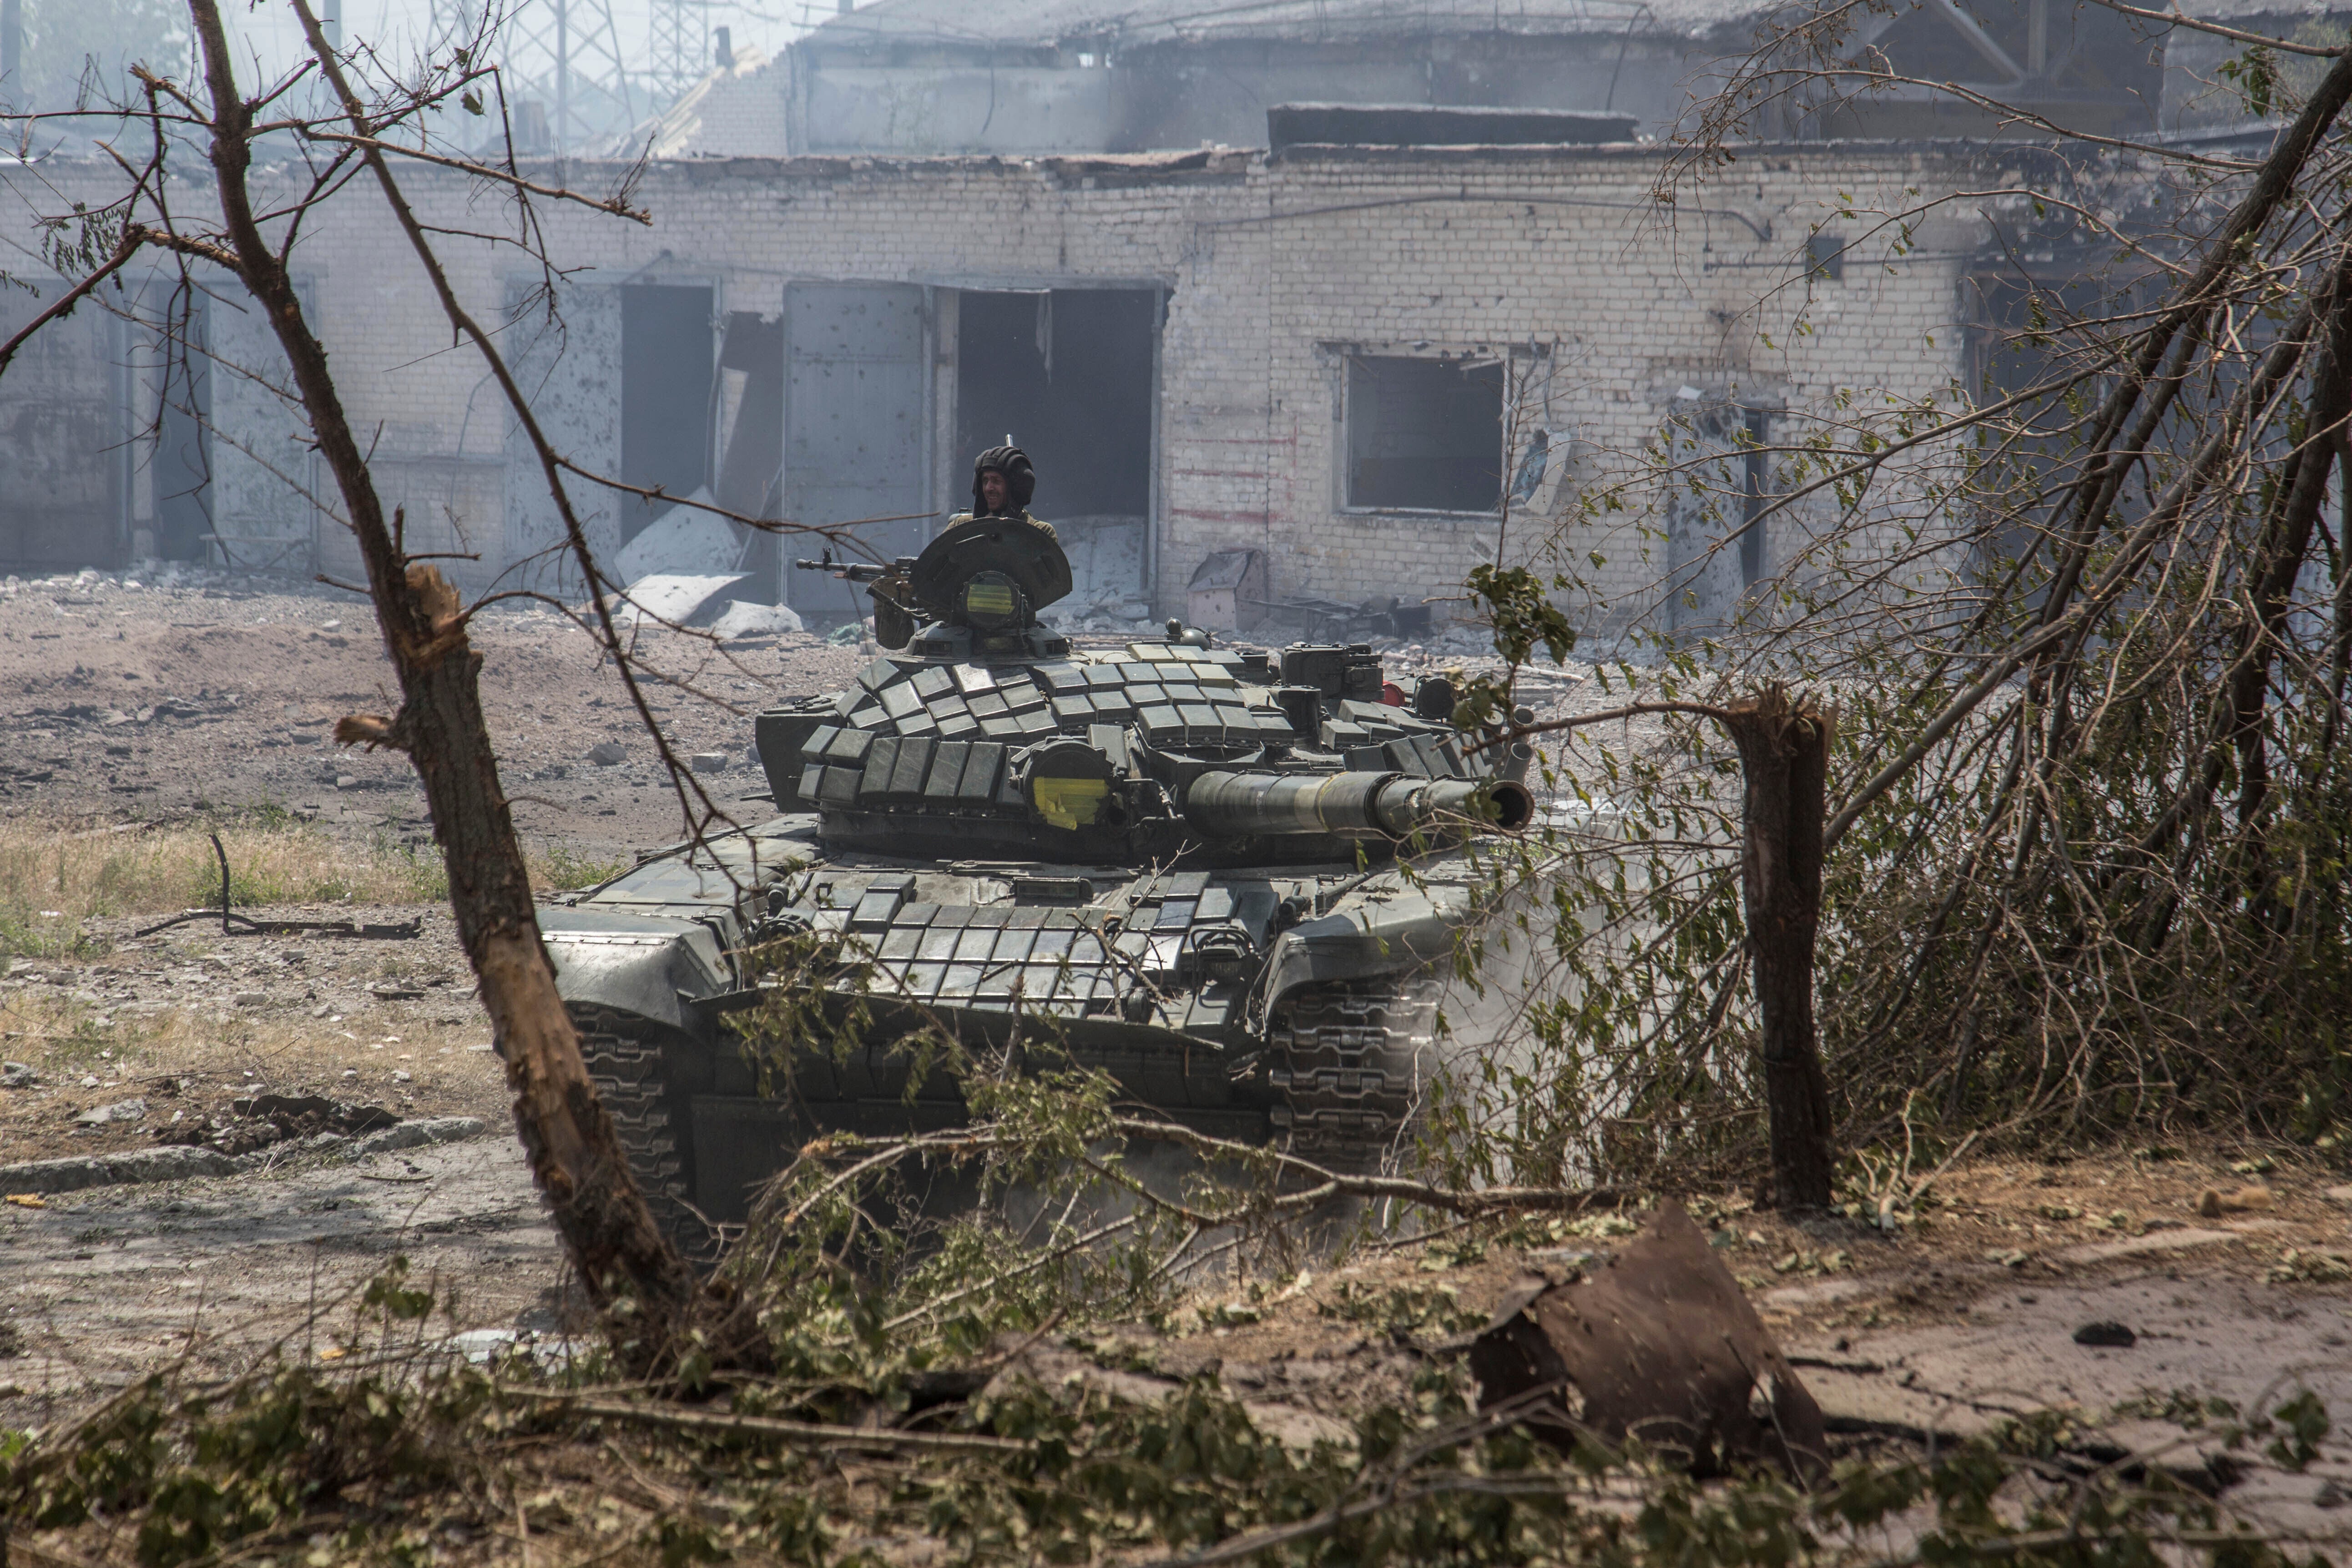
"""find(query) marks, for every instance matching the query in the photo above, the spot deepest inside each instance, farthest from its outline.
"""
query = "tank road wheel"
(1353, 1061)
(628, 1062)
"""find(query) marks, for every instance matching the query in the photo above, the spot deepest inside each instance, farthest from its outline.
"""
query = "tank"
(1180, 859)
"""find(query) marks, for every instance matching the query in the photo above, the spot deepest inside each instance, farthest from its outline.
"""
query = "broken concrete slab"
(742, 619)
(676, 598)
(1873, 1402)
(74, 1172)
(1655, 1343)
(685, 539)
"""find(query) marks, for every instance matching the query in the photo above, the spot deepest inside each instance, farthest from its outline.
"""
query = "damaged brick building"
(1340, 348)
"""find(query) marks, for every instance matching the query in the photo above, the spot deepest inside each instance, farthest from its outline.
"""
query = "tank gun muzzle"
(1351, 804)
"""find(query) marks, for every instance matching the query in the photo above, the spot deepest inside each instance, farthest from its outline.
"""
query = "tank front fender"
(1393, 936)
(657, 969)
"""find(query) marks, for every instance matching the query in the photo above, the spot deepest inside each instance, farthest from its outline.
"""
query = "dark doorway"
(182, 473)
(668, 351)
(1067, 374)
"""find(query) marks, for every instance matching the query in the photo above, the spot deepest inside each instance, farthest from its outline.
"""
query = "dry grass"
(54, 875)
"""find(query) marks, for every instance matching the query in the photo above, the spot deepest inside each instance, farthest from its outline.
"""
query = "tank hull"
(1289, 1002)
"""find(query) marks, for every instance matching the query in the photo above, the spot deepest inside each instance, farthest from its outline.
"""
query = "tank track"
(1352, 1060)
(629, 1066)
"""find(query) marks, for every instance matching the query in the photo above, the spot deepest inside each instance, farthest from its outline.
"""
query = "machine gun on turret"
(888, 585)
(859, 571)
(976, 588)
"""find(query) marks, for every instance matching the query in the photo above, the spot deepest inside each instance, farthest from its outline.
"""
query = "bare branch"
(613, 206)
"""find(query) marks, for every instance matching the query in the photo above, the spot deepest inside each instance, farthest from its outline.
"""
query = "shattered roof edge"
(1045, 24)
(1223, 165)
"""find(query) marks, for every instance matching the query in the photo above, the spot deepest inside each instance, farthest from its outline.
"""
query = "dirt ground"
(157, 701)
(155, 704)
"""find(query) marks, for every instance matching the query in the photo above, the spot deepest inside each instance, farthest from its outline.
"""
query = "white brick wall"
(1269, 262)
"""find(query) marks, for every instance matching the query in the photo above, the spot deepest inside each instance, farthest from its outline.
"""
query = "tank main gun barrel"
(1350, 805)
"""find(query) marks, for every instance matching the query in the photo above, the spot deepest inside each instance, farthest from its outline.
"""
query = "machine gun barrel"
(855, 571)
(1350, 805)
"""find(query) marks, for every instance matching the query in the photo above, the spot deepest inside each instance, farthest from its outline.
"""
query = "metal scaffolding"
(678, 56)
(563, 65)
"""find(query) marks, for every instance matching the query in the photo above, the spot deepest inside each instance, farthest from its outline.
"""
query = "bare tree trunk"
(620, 1253)
(1784, 756)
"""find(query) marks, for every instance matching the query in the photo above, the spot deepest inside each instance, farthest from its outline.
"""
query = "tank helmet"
(1020, 478)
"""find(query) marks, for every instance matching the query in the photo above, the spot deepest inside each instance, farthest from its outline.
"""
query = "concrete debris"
(418, 1134)
(608, 753)
(1657, 1343)
(18, 1075)
(742, 618)
(1105, 568)
(708, 761)
(685, 539)
(179, 1161)
(73, 1173)
(677, 599)
(257, 1121)
(309, 1113)
(482, 1347)
(1857, 1401)
(120, 1111)
(1228, 591)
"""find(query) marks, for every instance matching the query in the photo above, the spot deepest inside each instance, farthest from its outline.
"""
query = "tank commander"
(1003, 480)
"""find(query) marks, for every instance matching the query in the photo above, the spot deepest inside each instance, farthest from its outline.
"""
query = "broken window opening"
(1425, 435)
(668, 357)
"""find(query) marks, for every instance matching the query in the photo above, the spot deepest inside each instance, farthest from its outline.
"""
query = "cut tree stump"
(1784, 751)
